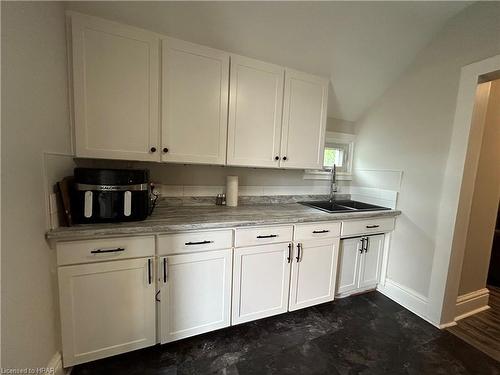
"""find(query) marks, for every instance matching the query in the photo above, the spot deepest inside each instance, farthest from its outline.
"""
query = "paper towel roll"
(232, 191)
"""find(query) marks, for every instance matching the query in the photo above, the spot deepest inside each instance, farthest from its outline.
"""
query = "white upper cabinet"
(264, 116)
(304, 120)
(194, 103)
(116, 90)
(255, 108)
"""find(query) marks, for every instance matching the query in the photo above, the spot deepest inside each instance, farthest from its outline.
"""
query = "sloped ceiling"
(361, 46)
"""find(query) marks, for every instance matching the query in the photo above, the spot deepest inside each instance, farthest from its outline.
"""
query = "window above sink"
(339, 150)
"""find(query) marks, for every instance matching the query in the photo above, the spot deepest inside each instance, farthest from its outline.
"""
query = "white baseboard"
(471, 303)
(408, 298)
(56, 364)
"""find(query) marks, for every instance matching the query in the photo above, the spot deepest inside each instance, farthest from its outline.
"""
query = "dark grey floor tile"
(365, 334)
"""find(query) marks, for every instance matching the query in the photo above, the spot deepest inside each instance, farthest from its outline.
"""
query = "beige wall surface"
(34, 119)
(340, 126)
(484, 202)
(409, 129)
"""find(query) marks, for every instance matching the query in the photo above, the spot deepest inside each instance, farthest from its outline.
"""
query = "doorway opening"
(478, 303)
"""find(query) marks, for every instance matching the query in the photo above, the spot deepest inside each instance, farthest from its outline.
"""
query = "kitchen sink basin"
(343, 206)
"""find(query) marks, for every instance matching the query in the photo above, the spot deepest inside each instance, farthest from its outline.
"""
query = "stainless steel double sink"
(343, 206)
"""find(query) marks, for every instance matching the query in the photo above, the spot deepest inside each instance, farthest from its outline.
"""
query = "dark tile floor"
(365, 334)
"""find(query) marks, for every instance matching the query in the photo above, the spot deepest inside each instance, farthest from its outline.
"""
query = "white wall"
(409, 129)
(484, 201)
(34, 119)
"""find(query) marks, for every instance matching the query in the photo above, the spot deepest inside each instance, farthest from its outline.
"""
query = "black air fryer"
(110, 195)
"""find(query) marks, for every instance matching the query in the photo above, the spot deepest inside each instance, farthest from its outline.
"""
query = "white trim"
(456, 196)
(472, 303)
(447, 325)
(408, 298)
(56, 364)
(317, 174)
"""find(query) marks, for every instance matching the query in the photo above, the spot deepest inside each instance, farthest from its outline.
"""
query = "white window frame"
(325, 174)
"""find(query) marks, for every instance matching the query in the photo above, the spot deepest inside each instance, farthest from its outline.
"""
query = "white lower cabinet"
(107, 308)
(195, 293)
(313, 273)
(359, 263)
(261, 281)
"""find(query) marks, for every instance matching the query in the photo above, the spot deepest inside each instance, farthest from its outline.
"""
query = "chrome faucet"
(333, 186)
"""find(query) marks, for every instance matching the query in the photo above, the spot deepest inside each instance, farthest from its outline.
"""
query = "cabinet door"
(370, 261)
(261, 282)
(195, 293)
(106, 308)
(116, 90)
(349, 262)
(255, 107)
(194, 103)
(304, 120)
(313, 273)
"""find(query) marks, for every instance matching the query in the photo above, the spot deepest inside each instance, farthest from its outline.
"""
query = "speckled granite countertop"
(167, 219)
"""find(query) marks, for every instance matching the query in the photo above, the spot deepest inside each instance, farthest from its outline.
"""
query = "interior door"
(107, 308)
(349, 262)
(304, 120)
(195, 293)
(255, 108)
(194, 103)
(313, 273)
(116, 90)
(261, 282)
(371, 261)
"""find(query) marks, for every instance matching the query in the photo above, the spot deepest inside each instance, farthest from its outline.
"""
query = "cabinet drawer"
(353, 228)
(316, 230)
(88, 251)
(195, 241)
(263, 235)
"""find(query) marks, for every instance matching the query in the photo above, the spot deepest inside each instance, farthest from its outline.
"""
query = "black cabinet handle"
(366, 244)
(165, 150)
(268, 236)
(103, 251)
(372, 226)
(153, 149)
(149, 272)
(164, 270)
(362, 248)
(284, 157)
(299, 252)
(289, 259)
(321, 231)
(276, 158)
(197, 243)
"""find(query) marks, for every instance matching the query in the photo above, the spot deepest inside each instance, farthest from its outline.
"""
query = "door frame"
(456, 198)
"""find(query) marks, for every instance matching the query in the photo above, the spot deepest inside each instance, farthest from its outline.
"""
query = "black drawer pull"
(150, 277)
(372, 226)
(321, 231)
(268, 236)
(102, 251)
(164, 270)
(198, 243)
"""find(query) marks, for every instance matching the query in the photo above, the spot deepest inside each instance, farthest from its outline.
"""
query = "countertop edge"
(158, 228)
